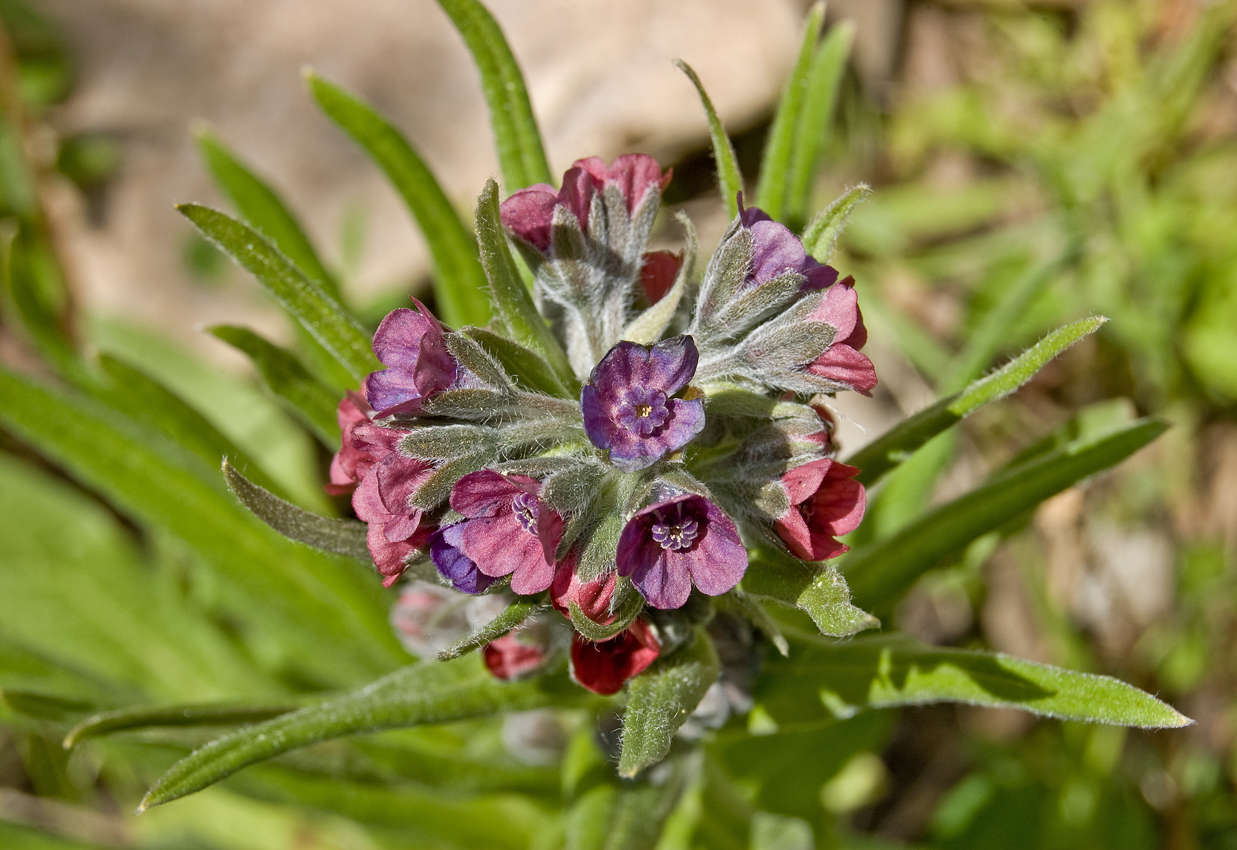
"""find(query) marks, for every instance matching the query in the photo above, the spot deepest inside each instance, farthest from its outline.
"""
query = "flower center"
(676, 537)
(643, 411)
(525, 508)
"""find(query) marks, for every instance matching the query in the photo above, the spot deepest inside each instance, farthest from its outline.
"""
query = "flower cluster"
(628, 472)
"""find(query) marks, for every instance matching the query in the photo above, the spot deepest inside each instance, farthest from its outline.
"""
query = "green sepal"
(818, 590)
(527, 367)
(820, 237)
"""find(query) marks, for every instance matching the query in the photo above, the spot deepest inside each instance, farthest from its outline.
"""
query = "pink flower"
(603, 667)
(592, 596)
(383, 500)
(513, 657)
(841, 361)
(362, 444)
(825, 503)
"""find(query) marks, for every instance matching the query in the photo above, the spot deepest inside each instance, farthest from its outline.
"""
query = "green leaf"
(320, 315)
(424, 693)
(298, 392)
(886, 671)
(512, 302)
(330, 617)
(659, 701)
(779, 149)
(817, 590)
(263, 209)
(341, 536)
(880, 572)
(188, 714)
(515, 615)
(41, 706)
(820, 238)
(729, 180)
(459, 283)
(896, 445)
(824, 81)
(608, 813)
(32, 291)
(526, 367)
(516, 137)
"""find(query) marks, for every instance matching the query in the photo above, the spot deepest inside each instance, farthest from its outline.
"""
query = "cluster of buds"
(684, 426)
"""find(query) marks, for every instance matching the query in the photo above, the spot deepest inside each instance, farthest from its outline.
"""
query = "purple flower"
(411, 344)
(776, 251)
(453, 564)
(529, 212)
(383, 500)
(669, 546)
(627, 404)
(507, 530)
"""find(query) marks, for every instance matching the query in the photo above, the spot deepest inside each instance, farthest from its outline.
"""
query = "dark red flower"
(825, 503)
(603, 667)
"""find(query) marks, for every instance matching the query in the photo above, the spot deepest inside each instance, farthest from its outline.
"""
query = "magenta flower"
(603, 667)
(383, 500)
(671, 545)
(841, 361)
(529, 212)
(825, 502)
(627, 404)
(507, 529)
(451, 562)
(411, 344)
(776, 251)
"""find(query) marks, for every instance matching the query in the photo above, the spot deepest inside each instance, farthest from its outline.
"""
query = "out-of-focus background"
(1050, 159)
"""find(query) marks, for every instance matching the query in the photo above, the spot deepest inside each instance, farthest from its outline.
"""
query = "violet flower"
(776, 251)
(603, 667)
(825, 502)
(451, 562)
(529, 213)
(507, 529)
(671, 545)
(627, 404)
(383, 500)
(411, 344)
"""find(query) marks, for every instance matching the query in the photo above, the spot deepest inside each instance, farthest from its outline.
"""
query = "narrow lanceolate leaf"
(729, 180)
(779, 149)
(880, 672)
(459, 283)
(190, 714)
(424, 693)
(824, 80)
(511, 300)
(318, 313)
(818, 591)
(515, 615)
(263, 209)
(892, 448)
(820, 238)
(298, 392)
(880, 572)
(341, 536)
(335, 617)
(516, 137)
(659, 701)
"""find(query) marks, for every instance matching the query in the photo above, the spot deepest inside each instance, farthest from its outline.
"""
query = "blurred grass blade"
(515, 615)
(526, 367)
(608, 813)
(820, 238)
(330, 616)
(32, 292)
(133, 392)
(264, 210)
(424, 693)
(824, 81)
(41, 706)
(320, 315)
(341, 536)
(779, 151)
(459, 283)
(518, 142)
(511, 300)
(189, 714)
(819, 591)
(896, 445)
(881, 572)
(729, 180)
(659, 700)
(886, 671)
(298, 392)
